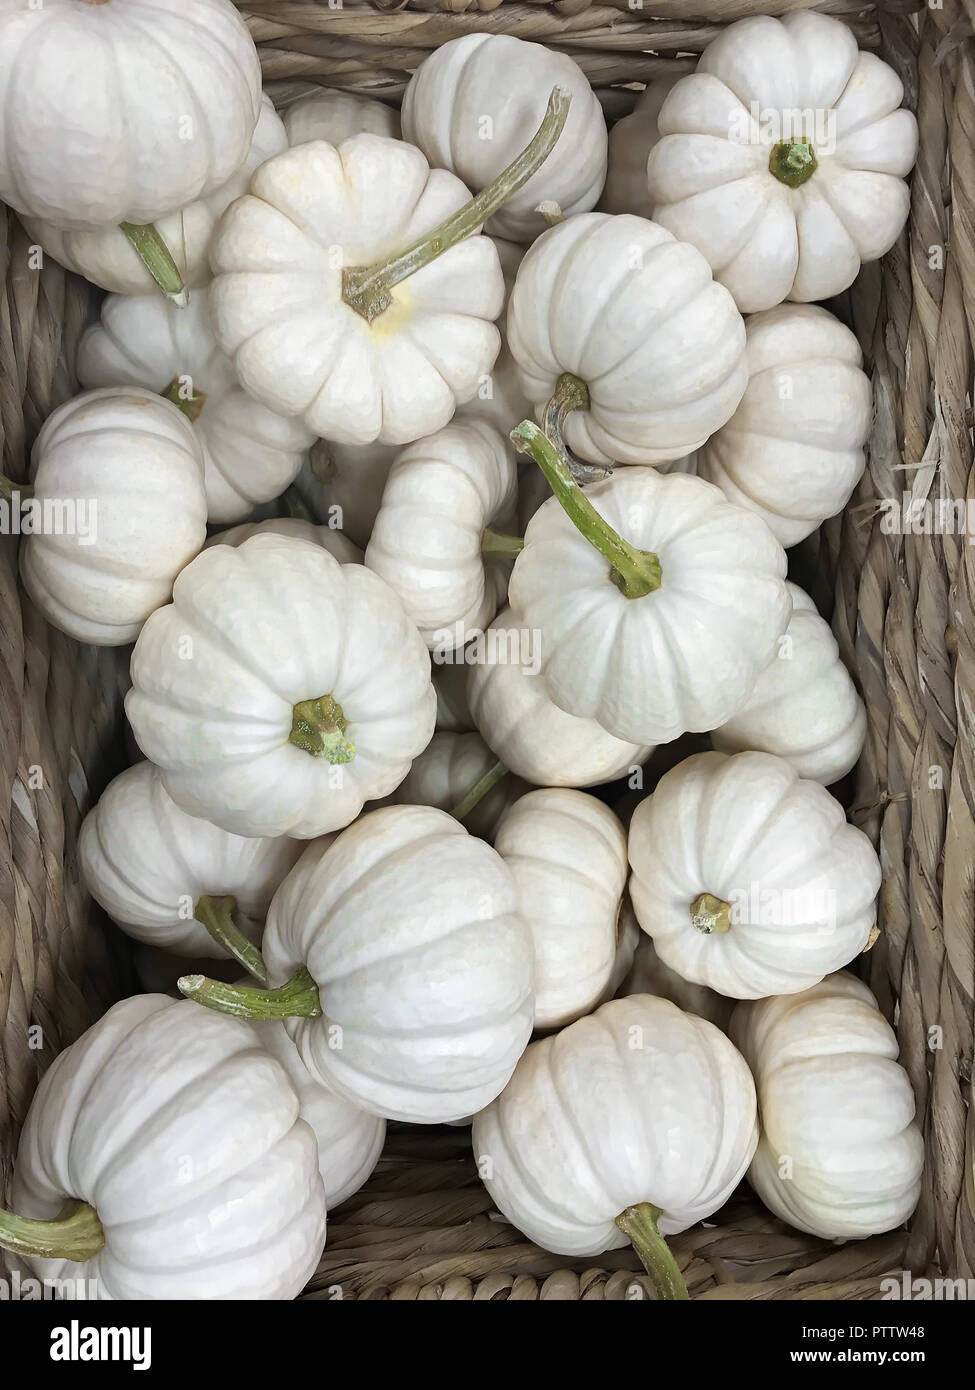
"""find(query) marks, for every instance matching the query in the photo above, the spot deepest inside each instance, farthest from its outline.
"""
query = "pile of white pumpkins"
(420, 341)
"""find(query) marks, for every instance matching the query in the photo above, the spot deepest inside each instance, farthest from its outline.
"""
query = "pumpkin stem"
(181, 394)
(9, 490)
(551, 212)
(297, 998)
(75, 1235)
(366, 288)
(640, 1224)
(571, 393)
(479, 790)
(710, 914)
(318, 727)
(635, 573)
(216, 914)
(157, 258)
(793, 162)
(494, 543)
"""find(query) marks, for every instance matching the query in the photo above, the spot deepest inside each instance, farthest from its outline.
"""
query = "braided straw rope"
(424, 1227)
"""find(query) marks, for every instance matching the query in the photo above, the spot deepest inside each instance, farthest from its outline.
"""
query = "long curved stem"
(76, 1234)
(216, 914)
(157, 258)
(635, 573)
(297, 998)
(640, 1224)
(571, 393)
(497, 544)
(479, 790)
(366, 289)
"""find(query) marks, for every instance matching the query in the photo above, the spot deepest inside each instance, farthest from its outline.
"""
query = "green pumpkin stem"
(496, 544)
(792, 162)
(479, 790)
(157, 258)
(75, 1235)
(318, 727)
(297, 998)
(640, 1224)
(366, 289)
(217, 915)
(190, 403)
(635, 573)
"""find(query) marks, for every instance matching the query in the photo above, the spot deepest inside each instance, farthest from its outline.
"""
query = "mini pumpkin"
(793, 450)
(439, 537)
(567, 852)
(469, 104)
(748, 878)
(192, 1180)
(170, 879)
(353, 288)
(402, 966)
(841, 1154)
(804, 707)
(783, 158)
(660, 633)
(630, 1124)
(623, 341)
(121, 473)
(280, 690)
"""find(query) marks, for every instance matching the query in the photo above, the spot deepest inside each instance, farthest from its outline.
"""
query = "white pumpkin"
(805, 707)
(634, 1121)
(177, 1139)
(433, 541)
(280, 690)
(748, 878)
(296, 527)
(517, 718)
(793, 450)
(105, 255)
(783, 158)
(331, 115)
(122, 110)
(647, 974)
(349, 1139)
(299, 346)
(118, 490)
(630, 141)
(250, 455)
(567, 852)
(633, 318)
(342, 484)
(841, 1154)
(148, 863)
(469, 106)
(708, 600)
(448, 769)
(403, 967)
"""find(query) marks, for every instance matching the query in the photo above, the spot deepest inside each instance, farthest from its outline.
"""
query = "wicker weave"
(423, 1227)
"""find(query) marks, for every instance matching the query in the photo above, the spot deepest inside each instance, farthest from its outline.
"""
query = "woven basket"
(902, 607)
